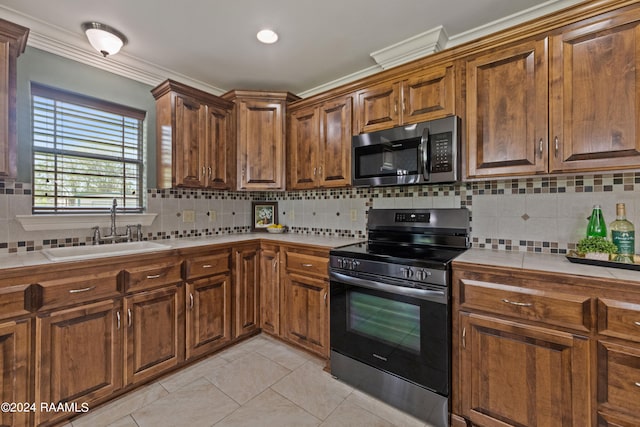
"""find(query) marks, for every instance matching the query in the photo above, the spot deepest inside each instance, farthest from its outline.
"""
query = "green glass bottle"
(623, 235)
(597, 226)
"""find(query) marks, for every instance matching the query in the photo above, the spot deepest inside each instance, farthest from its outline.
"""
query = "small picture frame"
(263, 214)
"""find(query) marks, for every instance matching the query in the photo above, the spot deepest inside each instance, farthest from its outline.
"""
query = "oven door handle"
(423, 294)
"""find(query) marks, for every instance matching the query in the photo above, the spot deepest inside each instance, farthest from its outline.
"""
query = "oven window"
(393, 322)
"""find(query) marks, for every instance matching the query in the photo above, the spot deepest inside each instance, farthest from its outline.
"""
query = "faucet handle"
(139, 232)
(129, 232)
(96, 235)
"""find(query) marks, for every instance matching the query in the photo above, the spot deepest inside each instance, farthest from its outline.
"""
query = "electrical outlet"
(354, 215)
(292, 215)
(212, 216)
(188, 215)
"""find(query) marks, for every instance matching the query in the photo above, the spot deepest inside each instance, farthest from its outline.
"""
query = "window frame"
(61, 95)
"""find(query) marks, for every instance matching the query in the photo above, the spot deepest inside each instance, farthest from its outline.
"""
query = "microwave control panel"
(441, 152)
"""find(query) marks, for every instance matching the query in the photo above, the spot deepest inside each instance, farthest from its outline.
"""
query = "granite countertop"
(542, 262)
(29, 259)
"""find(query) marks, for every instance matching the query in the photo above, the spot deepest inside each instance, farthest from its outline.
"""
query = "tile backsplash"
(542, 214)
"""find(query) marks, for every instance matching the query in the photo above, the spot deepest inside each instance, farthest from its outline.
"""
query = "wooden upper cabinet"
(319, 146)
(595, 102)
(13, 41)
(194, 138)
(425, 95)
(507, 119)
(260, 133)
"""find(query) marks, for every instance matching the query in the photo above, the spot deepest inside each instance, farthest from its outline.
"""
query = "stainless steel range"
(390, 308)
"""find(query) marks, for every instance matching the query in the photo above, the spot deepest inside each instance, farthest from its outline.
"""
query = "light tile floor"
(259, 382)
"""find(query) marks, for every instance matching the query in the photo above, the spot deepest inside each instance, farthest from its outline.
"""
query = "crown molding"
(70, 45)
(415, 47)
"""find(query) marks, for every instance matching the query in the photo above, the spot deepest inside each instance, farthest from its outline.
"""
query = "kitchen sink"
(74, 253)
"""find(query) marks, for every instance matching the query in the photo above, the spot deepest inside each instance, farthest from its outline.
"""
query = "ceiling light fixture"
(267, 36)
(103, 38)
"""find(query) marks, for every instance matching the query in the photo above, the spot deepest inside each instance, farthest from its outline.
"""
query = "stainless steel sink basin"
(97, 251)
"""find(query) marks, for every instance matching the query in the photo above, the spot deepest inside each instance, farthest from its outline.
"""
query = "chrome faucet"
(113, 217)
(113, 236)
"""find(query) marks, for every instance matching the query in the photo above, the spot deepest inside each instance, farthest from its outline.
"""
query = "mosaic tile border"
(627, 182)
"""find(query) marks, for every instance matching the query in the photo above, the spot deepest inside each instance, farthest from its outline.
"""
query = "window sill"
(76, 222)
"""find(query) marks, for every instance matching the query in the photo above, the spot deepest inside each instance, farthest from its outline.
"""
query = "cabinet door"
(303, 143)
(80, 355)
(619, 379)
(208, 315)
(305, 309)
(246, 291)
(14, 361)
(270, 289)
(378, 107)
(154, 333)
(595, 107)
(189, 152)
(334, 167)
(260, 144)
(429, 95)
(218, 147)
(514, 374)
(507, 118)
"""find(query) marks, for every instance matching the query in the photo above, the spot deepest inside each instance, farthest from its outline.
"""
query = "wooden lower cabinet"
(15, 357)
(246, 290)
(78, 357)
(270, 289)
(154, 332)
(523, 375)
(305, 309)
(208, 315)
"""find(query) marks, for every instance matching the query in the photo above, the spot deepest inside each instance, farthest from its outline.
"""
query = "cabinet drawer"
(151, 276)
(619, 319)
(14, 301)
(619, 378)
(208, 265)
(306, 264)
(548, 307)
(72, 290)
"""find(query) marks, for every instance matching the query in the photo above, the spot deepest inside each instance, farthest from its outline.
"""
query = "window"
(86, 152)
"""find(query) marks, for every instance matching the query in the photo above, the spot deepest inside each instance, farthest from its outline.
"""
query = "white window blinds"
(86, 152)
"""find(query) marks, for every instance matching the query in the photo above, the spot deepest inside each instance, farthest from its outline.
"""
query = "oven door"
(403, 331)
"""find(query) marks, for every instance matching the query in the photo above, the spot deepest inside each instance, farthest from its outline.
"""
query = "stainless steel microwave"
(421, 153)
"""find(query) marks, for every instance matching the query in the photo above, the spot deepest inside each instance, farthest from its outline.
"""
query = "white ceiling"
(212, 44)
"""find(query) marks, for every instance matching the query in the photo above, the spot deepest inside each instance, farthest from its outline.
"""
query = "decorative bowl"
(275, 230)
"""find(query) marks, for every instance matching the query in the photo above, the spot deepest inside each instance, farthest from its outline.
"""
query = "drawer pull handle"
(207, 266)
(636, 323)
(154, 276)
(519, 304)
(307, 265)
(118, 317)
(637, 384)
(77, 291)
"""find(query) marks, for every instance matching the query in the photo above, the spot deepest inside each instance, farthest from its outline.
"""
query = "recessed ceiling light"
(267, 36)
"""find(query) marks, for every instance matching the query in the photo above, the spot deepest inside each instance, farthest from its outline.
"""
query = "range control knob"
(407, 273)
(422, 275)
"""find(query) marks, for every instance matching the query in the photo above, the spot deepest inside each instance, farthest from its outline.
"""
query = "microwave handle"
(423, 151)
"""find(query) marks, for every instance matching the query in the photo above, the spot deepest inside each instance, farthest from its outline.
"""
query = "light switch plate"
(188, 215)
